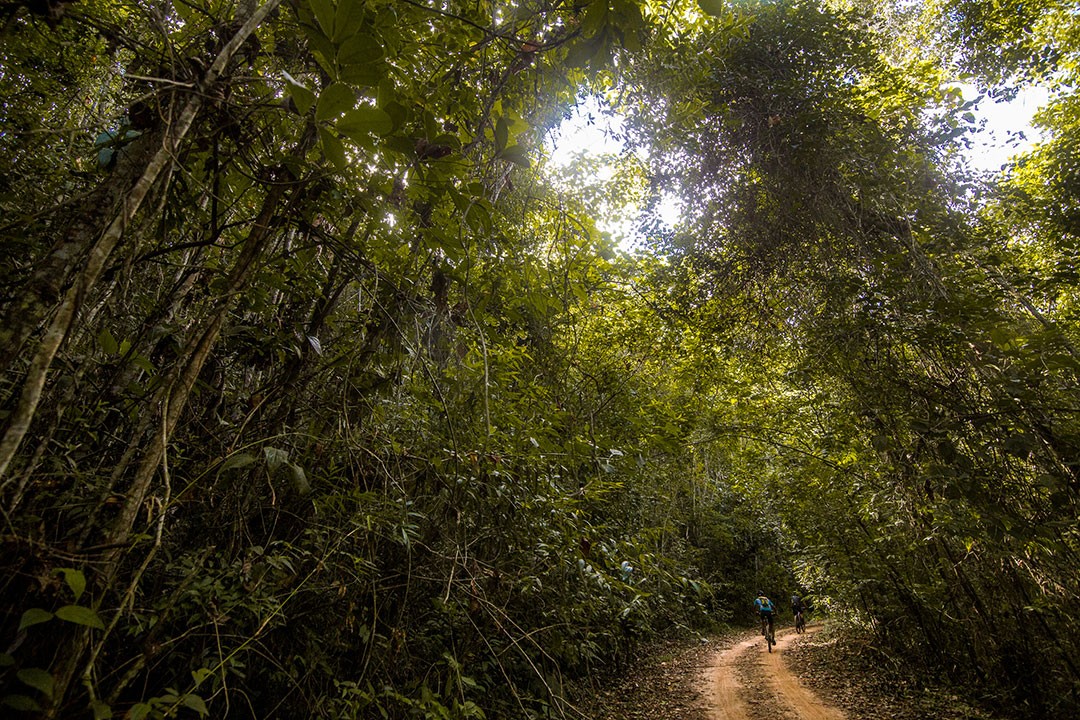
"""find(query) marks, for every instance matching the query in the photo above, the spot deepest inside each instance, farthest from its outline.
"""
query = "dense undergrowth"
(318, 400)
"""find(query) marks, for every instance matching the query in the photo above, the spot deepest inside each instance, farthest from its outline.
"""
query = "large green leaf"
(275, 457)
(515, 154)
(358, 49)
(333, 148)
(367, 74)
(596, 16)
(239, 460)
(303, 98)
(38, 679)
(399, 114)
(75, 580)
(348, 19)
(21, 703)
(715, 8)
(196, 703)
(334, 100)
(108, 342)
(34, 616)
(323, 50)
(324, 14)
(358, 124)
(502, 134)
(80, 615)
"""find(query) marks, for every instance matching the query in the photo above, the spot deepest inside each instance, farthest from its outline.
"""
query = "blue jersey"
(764, 605)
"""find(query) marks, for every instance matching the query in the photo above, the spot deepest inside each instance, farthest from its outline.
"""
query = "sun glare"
(589, 131)
(1007, 129)
(595, 133)
(592, 132)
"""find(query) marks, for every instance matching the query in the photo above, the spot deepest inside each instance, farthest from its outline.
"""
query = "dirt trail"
(728, 694)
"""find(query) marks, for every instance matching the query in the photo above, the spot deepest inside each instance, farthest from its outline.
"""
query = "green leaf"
(80, 615)
(324, 14)
(399, 114)
(75, 580)
(34, 616)
(40, 680)
(628, 14)
(359, 123)
(595, 17)
(302, 98)
(360, 48)
(364, 74)
(1001, 338)
(715, 8)
(333, 149)
(6, 660)
(21, 703)
(299, 479)
(101, 710)
(334, 100)
(275, 457)
(515, 154)
(108, 342)
(323, 50)
(196, 703)
(582, 53)
(630, 40)
(238, 460)
(139, 711)
(348, 19)
(200, 675)
(143, 363)
(478, 216)
(502, 134)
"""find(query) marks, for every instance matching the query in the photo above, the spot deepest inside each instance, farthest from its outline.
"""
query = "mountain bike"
(800, 622)
(768, 632)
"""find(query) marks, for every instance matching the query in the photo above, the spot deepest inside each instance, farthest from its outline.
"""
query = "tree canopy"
(321, 395)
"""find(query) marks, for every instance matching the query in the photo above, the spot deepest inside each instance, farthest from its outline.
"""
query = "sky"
(592, 132)
(993, 147)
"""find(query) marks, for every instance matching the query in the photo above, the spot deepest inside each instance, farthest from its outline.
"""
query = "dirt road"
(745, 682)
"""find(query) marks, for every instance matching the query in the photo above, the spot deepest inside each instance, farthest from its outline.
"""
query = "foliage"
(319, 398)
(906, 356)
(302, 412)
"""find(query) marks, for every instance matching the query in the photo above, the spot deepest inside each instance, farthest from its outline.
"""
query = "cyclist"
(798, 608)
(767, 611)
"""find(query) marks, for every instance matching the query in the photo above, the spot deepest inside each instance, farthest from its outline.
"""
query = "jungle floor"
(815, 676)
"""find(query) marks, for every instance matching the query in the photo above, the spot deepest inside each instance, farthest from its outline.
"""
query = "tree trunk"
(98, 255)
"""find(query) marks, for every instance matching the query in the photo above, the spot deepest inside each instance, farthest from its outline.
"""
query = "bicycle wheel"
(800, 623)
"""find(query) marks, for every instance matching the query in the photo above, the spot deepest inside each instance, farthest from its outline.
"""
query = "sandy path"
(724, 692)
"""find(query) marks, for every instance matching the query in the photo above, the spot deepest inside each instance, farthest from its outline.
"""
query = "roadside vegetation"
(319, 397)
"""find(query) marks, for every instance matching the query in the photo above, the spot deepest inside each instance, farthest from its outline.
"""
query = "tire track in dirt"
(726, 695)
(722, 688)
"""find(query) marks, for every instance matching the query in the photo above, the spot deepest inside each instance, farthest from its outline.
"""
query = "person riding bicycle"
(798, 609)
(767, 611)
